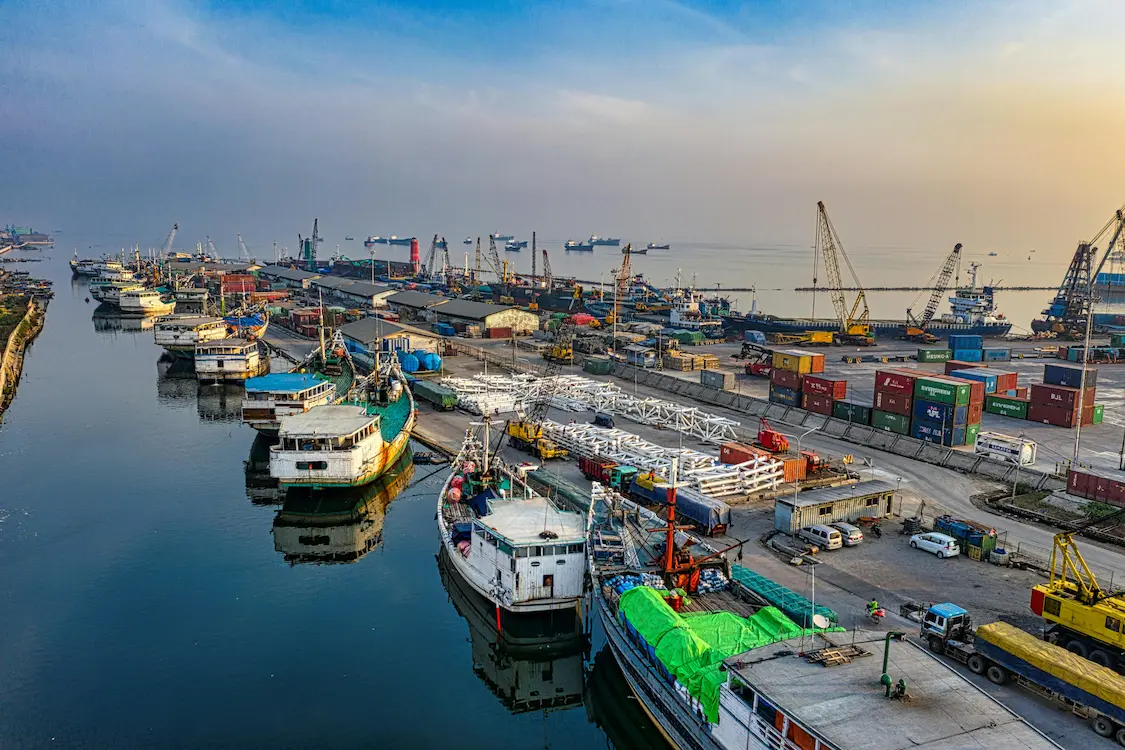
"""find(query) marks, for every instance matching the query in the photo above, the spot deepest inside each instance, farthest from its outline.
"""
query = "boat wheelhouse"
(344, 445)
(194, 295)
(271, 397)
(109, 291)
(511, 545)
(145, 302)
(229, 360)
(180, 334)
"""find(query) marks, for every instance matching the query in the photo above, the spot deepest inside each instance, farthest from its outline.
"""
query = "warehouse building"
(414, 305)
(369, 334)
(873, 498)
(488, 316)
(293, 278)
(352, 292)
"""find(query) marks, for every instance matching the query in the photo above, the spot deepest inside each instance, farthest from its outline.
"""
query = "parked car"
(602, 419)
(852, 535)
(941, 545)
(824, 537)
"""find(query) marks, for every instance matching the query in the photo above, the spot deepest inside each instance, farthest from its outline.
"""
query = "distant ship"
(973, 312)
(515, 245)
(349, 239)
(392, 240)
(576, 245)
(467, 241)
(503, 237)
(657, 246)
(607, 241)
(992, 255)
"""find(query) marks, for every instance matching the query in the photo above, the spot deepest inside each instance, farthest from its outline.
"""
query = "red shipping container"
(499, 333)
(786, 379)
(794, 467)
(736, 453)
(895, 403)
(1077, 483)
(1053, 415)
(955, 364)
(895, 381)
(1006, 381)
(817, 403)
(1059, 395)
(1062, 352)
(975, 413)
(1021, 392)
(834, 389)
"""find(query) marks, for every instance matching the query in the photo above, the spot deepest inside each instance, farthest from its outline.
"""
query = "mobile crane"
(855, 322)
(526, 433)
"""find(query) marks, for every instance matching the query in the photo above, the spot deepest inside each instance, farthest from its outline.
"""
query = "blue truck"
(710, 516)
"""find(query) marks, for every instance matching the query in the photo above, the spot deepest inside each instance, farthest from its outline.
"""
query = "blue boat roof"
(250, 321)
(948, 610)
(288, 382)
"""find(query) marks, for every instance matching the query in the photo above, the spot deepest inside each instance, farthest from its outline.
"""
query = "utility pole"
(533, 250)
(476, 275)
(1086, 355)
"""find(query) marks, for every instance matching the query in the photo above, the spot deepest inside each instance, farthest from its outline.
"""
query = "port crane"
(243, 250)
(855, 323)
(431, 256)
(915, 329)
(308, 246)
(1069, 311)
(526, 433)
(168, 242)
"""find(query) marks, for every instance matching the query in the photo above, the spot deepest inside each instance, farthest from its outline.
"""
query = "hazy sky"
(920, 123)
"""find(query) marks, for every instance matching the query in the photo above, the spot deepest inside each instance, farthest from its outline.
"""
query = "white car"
(941, 545)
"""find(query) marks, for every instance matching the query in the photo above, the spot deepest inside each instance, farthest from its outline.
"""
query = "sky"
(918, 123)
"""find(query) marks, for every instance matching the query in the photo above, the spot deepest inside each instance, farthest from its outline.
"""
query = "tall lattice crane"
(915, 329)
(500, 269)
(621, 282)
(431, 256)
(476, 273)
(548, 276)
(855, 322)
(1073, 303)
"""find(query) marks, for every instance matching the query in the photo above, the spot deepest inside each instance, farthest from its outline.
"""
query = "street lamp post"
(799, 439)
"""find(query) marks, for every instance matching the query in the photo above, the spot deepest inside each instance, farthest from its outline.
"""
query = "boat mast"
(484, 462)
(321, 328)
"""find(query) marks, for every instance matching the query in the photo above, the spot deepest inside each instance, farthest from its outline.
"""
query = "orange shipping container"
(795, 467)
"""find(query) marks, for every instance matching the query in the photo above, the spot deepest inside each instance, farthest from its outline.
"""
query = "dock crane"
(526, 433)
(855, 323)
(915, 329)
(493, 258)
(308, 246)
(621, 283)
(243, 250)
(431, 256)
(1067, 314)
(168, 242)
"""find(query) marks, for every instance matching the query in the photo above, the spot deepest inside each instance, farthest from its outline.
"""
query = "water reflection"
(611, 707)
(337, 526)
(538, 661)
(108, 319)
(261, 488)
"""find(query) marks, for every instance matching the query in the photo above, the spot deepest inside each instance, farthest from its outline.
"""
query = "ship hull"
(879, 328)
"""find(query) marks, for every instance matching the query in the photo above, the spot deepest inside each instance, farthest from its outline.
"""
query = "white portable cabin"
(1007, 448)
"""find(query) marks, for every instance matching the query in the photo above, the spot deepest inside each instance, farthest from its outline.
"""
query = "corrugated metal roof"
(351, 286)
(290, 274)
(833, 494)
(370, 329)
(463, 308)
(419, 300)
(325, 421)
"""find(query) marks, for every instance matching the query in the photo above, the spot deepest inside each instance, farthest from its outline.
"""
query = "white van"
(824, 537)
(852, 535)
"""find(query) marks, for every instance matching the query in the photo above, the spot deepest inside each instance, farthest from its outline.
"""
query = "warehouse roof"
(463, 308)
(195, 266)
(370, 329)
(834, 494)
(351, 286)
(284, 272)
(419, 300)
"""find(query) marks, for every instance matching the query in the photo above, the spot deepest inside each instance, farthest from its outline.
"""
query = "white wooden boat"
(109, 291)
(145, 302)
(271, 397)
(511, 545)
(180, 334)
(229, 360)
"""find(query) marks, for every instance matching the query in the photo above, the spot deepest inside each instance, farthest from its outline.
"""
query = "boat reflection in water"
(108, 319)
(611, 707)
(337, 525)
(537, 663)
(261, 488)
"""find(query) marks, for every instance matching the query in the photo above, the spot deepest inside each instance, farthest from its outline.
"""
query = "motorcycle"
(876, 615)
(877, 530)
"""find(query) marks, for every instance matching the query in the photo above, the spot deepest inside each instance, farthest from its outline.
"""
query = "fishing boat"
(604, 241)
(657, 246)
(93, 267)
(515, 245)
(331, 527)
(576, 245)
(531, 663)
(349, 444)
(181, 334)
(191, 295)
(687, 315)
(250, 325)
(508, 543)
(145, 302)
(717, 667)
(324, 377)
(349, 239)
(230, 360)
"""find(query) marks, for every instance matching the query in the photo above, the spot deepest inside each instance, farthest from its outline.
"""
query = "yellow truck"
(528, 437)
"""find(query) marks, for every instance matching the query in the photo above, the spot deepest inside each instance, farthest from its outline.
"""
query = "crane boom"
(857, 319)
(242, 248)
(937, 285)
(494, 259)
(548, 276)
(431, 255)
(171, 238)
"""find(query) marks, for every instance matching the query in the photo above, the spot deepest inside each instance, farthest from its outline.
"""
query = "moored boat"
(145, 302)
(657, 246)
(576, 245)
(508, 543)
(230, 360)
(269, 398)
(109, 291)
(348, 444)
(181, 334)
(502, 237)
(515, 245)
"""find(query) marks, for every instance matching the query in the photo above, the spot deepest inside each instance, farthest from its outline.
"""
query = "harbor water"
(149, 598)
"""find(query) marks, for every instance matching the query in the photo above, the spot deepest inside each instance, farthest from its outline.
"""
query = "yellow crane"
(855, 322)
(1084, 618)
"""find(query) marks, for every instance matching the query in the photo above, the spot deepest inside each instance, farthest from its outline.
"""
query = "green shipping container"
(885, 420)
(1117, 339)
(942, 391)
(1099, 413)
(1005, 407)
(598, 365)
(971, 432)
(935, 355)
(852, 412)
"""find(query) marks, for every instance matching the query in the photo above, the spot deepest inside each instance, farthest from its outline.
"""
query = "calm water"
(144, 603)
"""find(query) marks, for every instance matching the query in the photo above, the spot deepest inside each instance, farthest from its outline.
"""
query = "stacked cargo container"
(819, 394)
(966, 348)
(947, 410)
(894, 400)
(788, 368)
(1064, 398)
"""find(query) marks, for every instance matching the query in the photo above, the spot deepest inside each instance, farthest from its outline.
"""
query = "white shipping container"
(1007, 448)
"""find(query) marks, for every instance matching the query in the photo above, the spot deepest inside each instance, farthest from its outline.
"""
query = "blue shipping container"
(965, 341)
(997, 355)
(931, 432)
(1069, 375)
(939, 413)
(968, 355)
(782, 395)
(981, 375)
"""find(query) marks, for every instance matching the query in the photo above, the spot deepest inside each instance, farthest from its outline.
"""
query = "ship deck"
(846, 706)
